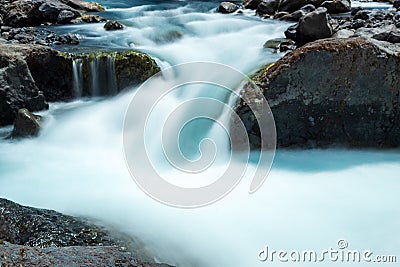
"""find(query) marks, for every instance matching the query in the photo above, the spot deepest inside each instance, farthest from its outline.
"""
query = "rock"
(292, 6)
(314, 26)
(85, 6)
(65, 16)
(22, 13)
(333, 91)
(25, 125)
(16, 255)
(280, 44)
(16, 84)
(295, 16)
(227, 7)
(251, 4)
(337, 6)
(38, 237)
(36, 103)
(290, 33)
(394, 37)
(362, 14)
(344, 33)
(267, 7)
(396, 4)
(113, 25)
(88, 18)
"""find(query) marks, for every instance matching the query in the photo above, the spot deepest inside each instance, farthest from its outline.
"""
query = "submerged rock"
(333, 91)
(26, 124)
(113, 25)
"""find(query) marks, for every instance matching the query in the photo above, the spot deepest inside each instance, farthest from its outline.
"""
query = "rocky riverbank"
(37, 237)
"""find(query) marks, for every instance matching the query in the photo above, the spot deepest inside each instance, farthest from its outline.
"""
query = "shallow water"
(311, 199)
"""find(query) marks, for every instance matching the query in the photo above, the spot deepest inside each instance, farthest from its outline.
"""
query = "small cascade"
(77, 77)
(94, 75)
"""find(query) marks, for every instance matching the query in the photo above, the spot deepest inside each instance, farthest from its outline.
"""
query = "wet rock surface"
(38, 237)
(113, 25)
(333, 91)
(26, 124)
(15, 255)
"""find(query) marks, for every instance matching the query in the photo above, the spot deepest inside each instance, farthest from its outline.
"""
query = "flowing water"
(311, 198)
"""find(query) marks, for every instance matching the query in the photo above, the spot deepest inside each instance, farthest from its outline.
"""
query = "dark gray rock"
(334, 91)
(16, 255)
(268, 7)
(292, 6)
(396, 4)
(21, 13)
(26, 124)
(113, 25)
(337, 6)
(251, 4)
(65, 16)
(227, 7)
(32, 13)
(38, 237)
(362, 14)
(295, 16)
(313, 26)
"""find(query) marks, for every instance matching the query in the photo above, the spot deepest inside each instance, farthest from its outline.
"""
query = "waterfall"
(310, 200)
(77, 77)
(94, 76)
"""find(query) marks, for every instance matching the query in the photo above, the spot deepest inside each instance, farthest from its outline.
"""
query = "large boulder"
(313, 26)
(333, 91)
(17, 86)
(16, 255)
(38, 237)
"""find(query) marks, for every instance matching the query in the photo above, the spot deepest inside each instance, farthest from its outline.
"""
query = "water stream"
(311, 198)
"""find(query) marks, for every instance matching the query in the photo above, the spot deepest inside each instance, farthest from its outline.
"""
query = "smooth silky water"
(311, 198)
